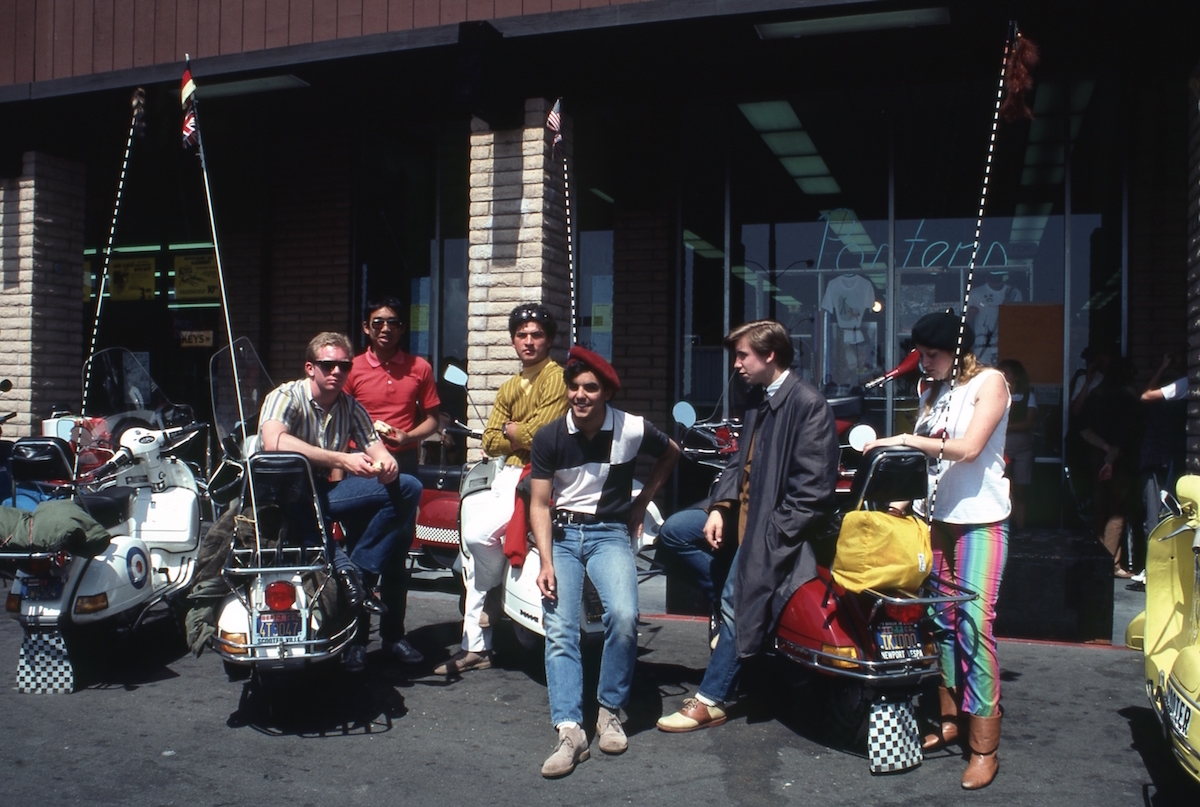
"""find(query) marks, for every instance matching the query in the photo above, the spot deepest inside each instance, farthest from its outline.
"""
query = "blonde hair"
(968, 368)
(327, 339)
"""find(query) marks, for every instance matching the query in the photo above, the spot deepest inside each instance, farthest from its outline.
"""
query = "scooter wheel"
(849, 706)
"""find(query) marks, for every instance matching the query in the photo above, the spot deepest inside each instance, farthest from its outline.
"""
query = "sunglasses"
(535, 314)
(379, 322)
(329, 365)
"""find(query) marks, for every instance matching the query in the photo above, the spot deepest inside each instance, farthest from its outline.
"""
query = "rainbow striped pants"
(972, 555)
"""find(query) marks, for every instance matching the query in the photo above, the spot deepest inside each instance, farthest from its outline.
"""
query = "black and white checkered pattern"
(43, 666)
(893, 741)
(437, 535)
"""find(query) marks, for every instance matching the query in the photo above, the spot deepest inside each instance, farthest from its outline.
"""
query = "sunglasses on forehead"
(535, 314)
(379, 322)
(329, 365)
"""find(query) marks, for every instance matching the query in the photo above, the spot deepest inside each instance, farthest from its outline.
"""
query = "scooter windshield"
(255, 384)
(119, 394)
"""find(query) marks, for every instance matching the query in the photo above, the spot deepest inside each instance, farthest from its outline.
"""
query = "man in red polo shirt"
(399, 392)
(396, 388)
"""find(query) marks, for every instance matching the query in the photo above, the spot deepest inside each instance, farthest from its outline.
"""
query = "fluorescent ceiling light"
(770, 116)
(816, 186)
(812, 166)
(602, 195)
(248, 86)
(789, 144)
(879, 21)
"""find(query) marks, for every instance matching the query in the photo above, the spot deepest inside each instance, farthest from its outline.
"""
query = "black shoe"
(356, 595)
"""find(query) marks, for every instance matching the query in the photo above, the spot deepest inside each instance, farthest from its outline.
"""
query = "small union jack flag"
(554, 124)
(190, 135)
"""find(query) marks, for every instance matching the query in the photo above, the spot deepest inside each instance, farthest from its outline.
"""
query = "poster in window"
(196, 277)
(131, 278)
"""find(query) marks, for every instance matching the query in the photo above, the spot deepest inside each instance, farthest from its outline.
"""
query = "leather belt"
(565, 517)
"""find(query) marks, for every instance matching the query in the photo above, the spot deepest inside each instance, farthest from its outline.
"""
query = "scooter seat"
(110, 506)
(438, 477)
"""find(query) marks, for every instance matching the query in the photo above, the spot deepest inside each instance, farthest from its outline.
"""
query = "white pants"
(485, 516)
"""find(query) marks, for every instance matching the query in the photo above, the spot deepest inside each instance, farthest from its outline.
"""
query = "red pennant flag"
(190, 135)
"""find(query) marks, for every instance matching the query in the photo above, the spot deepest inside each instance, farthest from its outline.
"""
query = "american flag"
(554, 124)
(190, 136)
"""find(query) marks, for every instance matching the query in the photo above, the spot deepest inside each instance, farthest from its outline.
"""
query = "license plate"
(897, 641)
(279, 625)
(1179, 712)
(42, 590)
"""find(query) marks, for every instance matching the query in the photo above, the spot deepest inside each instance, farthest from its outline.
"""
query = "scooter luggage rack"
(283, 480)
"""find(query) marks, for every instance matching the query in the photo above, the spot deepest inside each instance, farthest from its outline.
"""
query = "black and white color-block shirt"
(595, 476)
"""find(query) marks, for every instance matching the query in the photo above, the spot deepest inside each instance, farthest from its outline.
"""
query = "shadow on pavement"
(1171, 786)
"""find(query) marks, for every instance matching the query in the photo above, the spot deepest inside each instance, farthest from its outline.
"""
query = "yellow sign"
(602, 318)
(196, 277)
(131, 278)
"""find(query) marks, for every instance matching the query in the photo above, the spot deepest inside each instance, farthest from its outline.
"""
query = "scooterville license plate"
(1179, 712)
(897, 641)
(279, 625)
(41, 590)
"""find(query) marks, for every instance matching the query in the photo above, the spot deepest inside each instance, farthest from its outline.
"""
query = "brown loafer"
(464, 661)
(695, 714)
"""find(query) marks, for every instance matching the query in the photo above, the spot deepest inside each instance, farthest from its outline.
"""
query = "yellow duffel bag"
(880, 551)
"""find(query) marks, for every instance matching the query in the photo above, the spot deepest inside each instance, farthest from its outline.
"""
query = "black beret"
(940, 330)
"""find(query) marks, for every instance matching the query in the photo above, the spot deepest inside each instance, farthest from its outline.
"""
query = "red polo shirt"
(398, 391)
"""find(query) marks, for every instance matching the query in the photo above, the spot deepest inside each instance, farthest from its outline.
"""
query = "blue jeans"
(604, 551)
(723, 666)
(379, 521)
(682, 535)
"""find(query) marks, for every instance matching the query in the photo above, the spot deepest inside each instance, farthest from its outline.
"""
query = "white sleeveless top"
(973, 492)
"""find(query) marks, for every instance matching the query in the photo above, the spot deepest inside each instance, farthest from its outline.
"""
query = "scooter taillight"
(280, 595)
(45, 566)
(908, 614)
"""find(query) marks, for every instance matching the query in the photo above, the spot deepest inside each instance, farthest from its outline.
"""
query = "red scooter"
(871, 651)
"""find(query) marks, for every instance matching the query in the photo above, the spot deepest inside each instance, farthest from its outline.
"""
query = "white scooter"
(278, 599)
(147, 498)
(522, 600)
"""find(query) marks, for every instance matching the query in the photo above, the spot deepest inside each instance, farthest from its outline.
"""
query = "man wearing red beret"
(584, 463)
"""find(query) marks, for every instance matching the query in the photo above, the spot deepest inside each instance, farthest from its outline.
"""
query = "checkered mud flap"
(893, 741)
(43, 667)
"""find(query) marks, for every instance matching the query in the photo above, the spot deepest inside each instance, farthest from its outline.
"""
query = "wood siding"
(42, 40)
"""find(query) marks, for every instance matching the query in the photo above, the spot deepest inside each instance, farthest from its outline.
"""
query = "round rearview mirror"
(684, 414)
(455, 375)
(860, 435)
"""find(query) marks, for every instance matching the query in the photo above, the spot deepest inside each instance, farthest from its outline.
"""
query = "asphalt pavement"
(155, 725)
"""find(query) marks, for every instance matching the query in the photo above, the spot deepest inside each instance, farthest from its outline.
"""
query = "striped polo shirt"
(292, 405)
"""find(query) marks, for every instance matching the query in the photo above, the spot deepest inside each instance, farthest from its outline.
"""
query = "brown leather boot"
(983, 735)
(948, 733)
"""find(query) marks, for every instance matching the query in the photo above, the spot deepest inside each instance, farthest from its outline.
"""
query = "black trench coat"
(792, 481)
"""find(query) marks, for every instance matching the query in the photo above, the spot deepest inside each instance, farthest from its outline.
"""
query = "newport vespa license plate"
(1179, 712)
(42, 590)
(279, 625)
(897, 641)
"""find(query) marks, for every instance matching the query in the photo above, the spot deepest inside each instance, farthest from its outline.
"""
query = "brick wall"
(41, 287)
(643, 320)
(518, 249)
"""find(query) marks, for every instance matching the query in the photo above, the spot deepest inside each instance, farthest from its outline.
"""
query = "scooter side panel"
(811, 617)
(1168, 595)
(122, 572)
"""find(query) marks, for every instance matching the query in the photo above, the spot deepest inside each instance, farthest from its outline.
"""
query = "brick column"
(41, 288)
(518, 245)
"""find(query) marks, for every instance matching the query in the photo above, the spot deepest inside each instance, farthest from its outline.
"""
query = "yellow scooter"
(1167, 631)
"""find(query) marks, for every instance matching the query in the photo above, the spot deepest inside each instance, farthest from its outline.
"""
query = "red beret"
(596, 363)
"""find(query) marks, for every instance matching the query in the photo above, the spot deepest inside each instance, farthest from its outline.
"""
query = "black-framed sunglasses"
(378, 323)
(531, 313)
(328, 365)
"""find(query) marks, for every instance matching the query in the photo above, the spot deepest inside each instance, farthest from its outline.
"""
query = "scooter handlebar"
(119, 460)
(909, 363)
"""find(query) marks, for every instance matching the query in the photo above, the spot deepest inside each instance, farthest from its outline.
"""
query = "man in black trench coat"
(781, 479)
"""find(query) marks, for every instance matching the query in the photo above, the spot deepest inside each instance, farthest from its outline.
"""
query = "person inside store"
(1110, 424)
(1162, 455)
(525, 403)
(315, 417)
(1018, 442)
(781, 480)
(397, 388)
(961, 427)
(584, 463)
